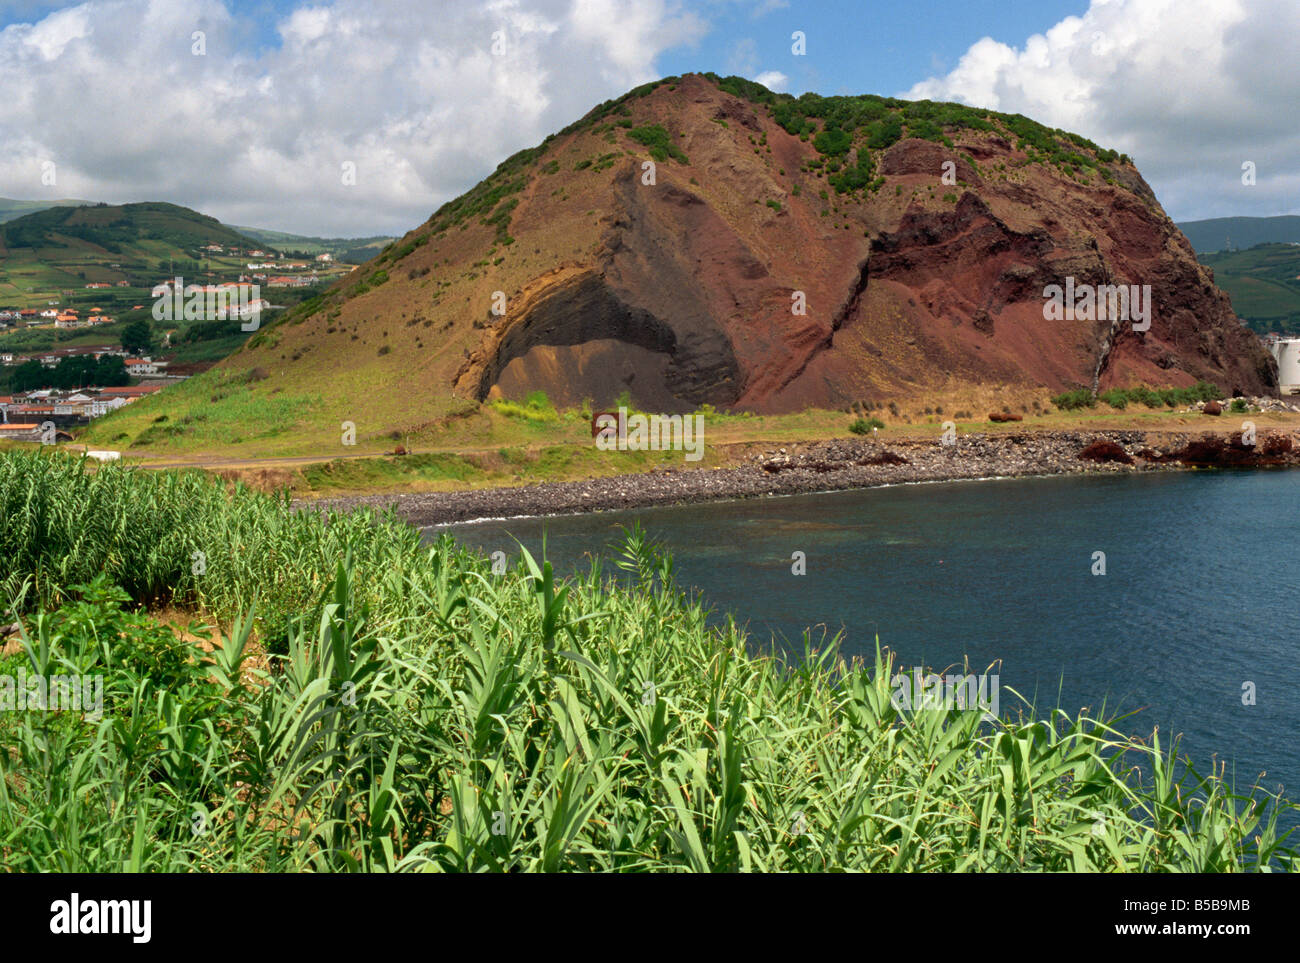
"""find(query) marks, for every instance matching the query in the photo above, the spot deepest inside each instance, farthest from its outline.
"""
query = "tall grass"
(427, 714)
(178, 536)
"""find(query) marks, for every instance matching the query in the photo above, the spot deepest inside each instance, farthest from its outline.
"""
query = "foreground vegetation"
(420, 711)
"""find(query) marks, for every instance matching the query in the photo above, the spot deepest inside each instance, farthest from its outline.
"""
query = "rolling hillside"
(1264, 284)
(62, 249)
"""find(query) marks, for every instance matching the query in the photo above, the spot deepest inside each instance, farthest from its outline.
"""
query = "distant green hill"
(117, 228)
(1244, 232)
(55, 253)
(353, 250)
(1264, 284)
(10, 208)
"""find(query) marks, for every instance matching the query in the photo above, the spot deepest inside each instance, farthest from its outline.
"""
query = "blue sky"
(254, 131)
(888, 46)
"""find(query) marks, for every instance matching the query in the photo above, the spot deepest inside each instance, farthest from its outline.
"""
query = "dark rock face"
(1275, 445)
(1106, 451)
(575, 314)
(1211, 451)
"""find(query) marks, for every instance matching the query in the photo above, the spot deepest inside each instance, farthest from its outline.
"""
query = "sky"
(348, 118)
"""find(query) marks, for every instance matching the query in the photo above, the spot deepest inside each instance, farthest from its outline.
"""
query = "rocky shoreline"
(843, 464)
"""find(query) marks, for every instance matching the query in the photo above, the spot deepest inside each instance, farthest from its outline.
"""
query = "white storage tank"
(1287, 353)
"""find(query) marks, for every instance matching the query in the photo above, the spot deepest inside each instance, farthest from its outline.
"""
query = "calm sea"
(1200, 596)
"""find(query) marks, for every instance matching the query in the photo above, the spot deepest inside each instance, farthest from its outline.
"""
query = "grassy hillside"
(1264, 284)
(52, 254)
(1214, 234)
(115, 229)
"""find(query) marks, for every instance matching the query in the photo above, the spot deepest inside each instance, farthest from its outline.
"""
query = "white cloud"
(1189, 88)
(773, 80)
(256, 134)
(55, 32)
(305, 25)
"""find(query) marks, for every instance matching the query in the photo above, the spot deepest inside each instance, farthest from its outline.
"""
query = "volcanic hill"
(573, 271)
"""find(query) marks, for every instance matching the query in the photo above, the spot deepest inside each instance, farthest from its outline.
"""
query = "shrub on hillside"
(833, 142)
(864, 426)
(659, 141)
(1160, 397)
(536, 407)
(1115, 397)
(1073, 400)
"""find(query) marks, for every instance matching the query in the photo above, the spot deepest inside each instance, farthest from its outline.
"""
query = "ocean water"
(1200, 596)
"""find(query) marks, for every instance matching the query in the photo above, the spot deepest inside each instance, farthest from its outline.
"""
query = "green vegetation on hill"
(53, 254)
(213, 410)
(1263, 283)
(659, 141)
(482, 202)
(837, 124)
(421, 710)
(48, 258)
(117, 229)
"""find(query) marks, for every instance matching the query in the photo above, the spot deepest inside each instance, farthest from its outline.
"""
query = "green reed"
(426, 714)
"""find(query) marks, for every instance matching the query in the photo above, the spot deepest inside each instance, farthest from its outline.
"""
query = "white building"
(1287, 353)
(138, 367)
